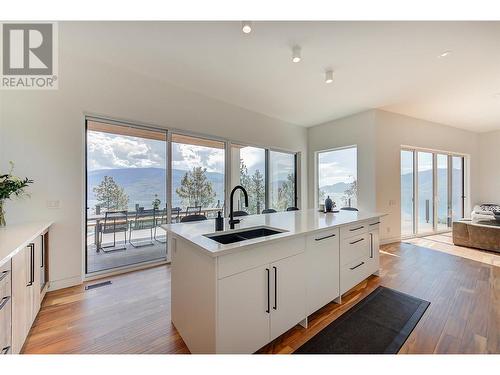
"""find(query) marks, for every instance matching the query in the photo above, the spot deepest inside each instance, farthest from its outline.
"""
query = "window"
(249, 170)
(197, 175)
(338, 177)
(282, 180)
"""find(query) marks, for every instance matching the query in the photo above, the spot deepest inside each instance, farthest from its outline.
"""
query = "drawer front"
(352, 274)
(373, 224)
(353, 230)
(353, 248)
(5, 324)
(258, 255)
(5, 274)
(326, 238)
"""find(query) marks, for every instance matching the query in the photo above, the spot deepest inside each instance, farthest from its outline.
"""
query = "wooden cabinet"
(26, 265)
(260, 304)
(322, 261)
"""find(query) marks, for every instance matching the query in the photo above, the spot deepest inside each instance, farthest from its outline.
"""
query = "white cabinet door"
(35, 288)
(374, 257)
(244, 311)
(322, 258)
(20, 298)
(288, 293)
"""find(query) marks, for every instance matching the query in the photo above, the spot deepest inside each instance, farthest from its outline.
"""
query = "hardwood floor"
(133, 314)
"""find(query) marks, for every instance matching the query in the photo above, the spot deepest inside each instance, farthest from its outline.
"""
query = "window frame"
(316, 170)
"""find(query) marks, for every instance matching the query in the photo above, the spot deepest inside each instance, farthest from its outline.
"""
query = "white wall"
(356, 130)
(43, 132)
(379, 136)
(489, 150)
(393, 131)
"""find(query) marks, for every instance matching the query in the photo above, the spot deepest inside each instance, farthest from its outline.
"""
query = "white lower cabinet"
(374, 258)
(25, 291)
(243, 311)
(288, 294)
(322, 261)
(258, 305)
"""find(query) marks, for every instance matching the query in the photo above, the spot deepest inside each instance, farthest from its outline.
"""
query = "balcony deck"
(106, 260)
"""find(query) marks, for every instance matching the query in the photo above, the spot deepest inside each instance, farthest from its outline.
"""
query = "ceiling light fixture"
(246, 27)
(296, 55)
(444, 54)
(329, 76)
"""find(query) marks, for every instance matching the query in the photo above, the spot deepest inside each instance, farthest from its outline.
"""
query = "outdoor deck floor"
(100, 260)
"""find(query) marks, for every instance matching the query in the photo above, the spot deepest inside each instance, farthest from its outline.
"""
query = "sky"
(109, 151)
(337, 166)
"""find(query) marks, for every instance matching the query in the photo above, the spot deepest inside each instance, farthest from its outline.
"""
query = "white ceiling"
(388, 65)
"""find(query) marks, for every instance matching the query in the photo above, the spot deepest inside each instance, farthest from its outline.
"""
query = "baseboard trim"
(65, 283)
(387, 241)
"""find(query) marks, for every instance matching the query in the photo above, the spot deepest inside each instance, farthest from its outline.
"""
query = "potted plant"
(11, 186)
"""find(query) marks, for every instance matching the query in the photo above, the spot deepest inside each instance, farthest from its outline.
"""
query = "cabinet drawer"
(352, 274)
(5, 324)
(353, 230)
(258, 255)
(326, 238)
(353, 248)
(5, 272)
(373, 224)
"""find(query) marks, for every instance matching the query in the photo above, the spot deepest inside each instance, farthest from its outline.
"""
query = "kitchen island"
(237, 290)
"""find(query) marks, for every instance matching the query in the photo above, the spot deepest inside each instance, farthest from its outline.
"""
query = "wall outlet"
(53, 204)
(392, 202)
(388, 229)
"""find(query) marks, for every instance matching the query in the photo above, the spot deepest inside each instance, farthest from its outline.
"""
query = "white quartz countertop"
(295, 223)
(17, 236)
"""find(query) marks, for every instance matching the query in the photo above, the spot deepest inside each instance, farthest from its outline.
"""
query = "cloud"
(108, 151)
(186, 157)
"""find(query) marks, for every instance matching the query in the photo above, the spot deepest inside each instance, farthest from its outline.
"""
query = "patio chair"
(161, 218)
(292, 209)
(269, 211)
(195, 210)
(144, 219)
(191, 218)
(176, 214)
(114, 222)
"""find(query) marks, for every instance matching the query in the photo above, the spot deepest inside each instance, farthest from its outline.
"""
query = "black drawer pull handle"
(324, 238)
(359, 265)
(358, 228)
(268, 297)
(3, 275)
(378, 222)
(352, 243)
(275, 288)
(4, 302)
(5, 350)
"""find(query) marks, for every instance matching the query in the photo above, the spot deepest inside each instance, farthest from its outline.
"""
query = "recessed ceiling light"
(444, 54)
(296, 54)
(329, 76)
(246, 27)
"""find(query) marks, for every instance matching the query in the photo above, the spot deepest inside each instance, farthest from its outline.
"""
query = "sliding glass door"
(425, 193)
(407, 193)
(432, 191)
(126, 195)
